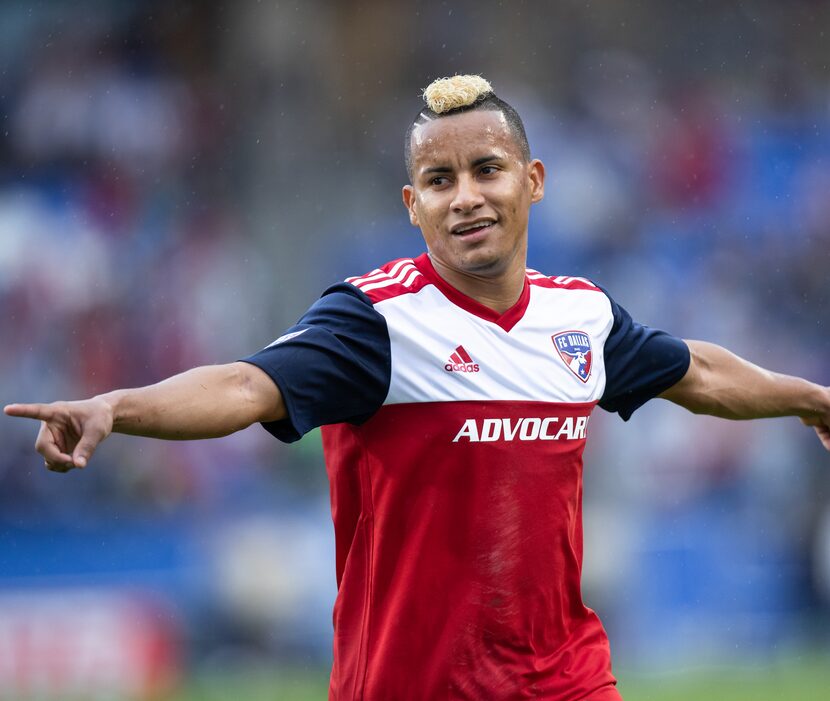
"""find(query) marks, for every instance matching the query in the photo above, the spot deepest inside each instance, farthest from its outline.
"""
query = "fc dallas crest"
(574, 347)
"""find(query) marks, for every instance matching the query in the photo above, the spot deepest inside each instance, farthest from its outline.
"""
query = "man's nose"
(468, 195)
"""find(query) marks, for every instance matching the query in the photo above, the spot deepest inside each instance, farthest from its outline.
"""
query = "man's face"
(471, 192)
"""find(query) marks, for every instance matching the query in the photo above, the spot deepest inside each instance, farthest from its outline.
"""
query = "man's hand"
(69, 431)
(821, 425)
(205, 402)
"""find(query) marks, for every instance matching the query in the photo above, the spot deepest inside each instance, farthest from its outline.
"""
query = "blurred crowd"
(179, 181)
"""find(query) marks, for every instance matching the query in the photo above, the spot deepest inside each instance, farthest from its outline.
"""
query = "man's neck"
(497, 292)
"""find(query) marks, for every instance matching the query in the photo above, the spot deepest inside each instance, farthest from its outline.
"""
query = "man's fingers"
(69, 431)
(821, 428)
(51, 447)
(85, 448)
(30, 411)
(52, 454)
(58, 467)
(822, 431)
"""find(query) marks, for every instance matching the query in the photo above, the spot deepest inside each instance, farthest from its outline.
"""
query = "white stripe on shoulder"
(414, 275)
(567, 279)
(405, 271)
(355, 278)
(378, 274)
(584, 280)
(400, 264)
(559, 279)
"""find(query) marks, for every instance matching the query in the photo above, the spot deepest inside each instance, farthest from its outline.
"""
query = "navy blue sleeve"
(640, 363)
(333, 366)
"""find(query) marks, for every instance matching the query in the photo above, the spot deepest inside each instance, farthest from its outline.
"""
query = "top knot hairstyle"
(448, 94)
(463, 93)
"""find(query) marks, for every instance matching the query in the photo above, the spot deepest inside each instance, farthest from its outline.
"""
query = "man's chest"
(554, 353)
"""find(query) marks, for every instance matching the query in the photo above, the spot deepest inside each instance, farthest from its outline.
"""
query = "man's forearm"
(721, 384)
(205, 402)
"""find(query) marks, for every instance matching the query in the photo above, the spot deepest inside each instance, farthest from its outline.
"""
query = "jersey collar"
(506, 321)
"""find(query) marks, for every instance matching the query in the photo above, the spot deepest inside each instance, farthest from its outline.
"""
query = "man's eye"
(489, 170)
(439, 180)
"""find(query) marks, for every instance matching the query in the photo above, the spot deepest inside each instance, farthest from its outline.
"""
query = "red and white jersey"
(453, 438)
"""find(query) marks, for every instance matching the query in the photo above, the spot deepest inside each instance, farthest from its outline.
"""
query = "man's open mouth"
(472, 227)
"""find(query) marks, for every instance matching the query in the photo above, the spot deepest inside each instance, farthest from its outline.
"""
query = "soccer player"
(454, 390)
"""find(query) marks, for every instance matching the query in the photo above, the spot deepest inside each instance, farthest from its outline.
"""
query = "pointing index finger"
(29, 411)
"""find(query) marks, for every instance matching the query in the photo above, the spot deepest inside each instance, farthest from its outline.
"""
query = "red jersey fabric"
(458, 564)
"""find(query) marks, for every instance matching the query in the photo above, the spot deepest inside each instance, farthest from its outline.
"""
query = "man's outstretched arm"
(721, 384)
(205, 402)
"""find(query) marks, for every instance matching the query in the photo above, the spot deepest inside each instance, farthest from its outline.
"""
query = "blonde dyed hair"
(447, 94)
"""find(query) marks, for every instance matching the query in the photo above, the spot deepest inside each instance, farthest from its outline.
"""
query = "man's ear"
(536, 173)
(408, 195)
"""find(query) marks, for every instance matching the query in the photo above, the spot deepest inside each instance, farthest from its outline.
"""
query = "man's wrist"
(114, 403)
(817, 402)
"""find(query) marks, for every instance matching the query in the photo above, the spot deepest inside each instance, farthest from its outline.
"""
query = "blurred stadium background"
(180, 180)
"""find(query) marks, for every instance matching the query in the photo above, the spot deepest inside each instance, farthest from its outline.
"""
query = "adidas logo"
(460, 361)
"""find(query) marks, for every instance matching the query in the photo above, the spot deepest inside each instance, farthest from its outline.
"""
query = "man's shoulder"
(561, 282)
(393, 279)
(404, 276)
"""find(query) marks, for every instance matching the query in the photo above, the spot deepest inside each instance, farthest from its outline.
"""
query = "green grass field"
(796, 680)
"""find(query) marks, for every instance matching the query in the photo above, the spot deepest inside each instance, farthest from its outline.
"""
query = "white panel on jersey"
(429, 335)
